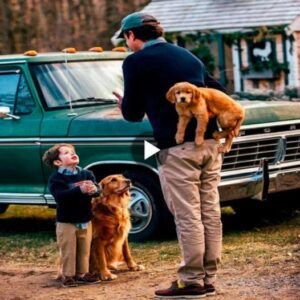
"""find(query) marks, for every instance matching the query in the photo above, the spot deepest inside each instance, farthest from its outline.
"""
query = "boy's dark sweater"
(72, 205)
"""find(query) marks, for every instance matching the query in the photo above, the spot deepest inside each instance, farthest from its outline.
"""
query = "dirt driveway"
(261, 261)
(250, 281)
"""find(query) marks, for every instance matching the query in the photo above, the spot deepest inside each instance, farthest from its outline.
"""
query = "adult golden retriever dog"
(111, 225)
(192, 101)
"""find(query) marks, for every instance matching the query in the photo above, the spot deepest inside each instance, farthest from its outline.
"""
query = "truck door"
(21, 178)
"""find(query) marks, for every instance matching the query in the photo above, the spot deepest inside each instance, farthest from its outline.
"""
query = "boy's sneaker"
(210, 289)
(87, 278)
(177, 290)
(68, 281)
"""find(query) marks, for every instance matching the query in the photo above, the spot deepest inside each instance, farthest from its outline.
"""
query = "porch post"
(221, 54)
(236, 66)
(284, 50)
(240, 63)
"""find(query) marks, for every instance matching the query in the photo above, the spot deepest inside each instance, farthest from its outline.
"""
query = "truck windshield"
(79, 83)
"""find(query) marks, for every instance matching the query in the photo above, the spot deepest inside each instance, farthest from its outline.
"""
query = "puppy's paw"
(107, 276)
(223, 149)
(179, 138)
(216, 135)
(199, 141)
(227, 149)
(136, 267)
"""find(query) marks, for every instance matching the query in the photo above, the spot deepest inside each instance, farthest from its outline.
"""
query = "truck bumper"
(260, 184)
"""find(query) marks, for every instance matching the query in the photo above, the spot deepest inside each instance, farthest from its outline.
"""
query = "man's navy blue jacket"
(148, 75)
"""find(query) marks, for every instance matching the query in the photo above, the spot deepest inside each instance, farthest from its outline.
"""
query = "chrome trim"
(137, 139)
(272, 124)
(281, 150)
(97, 139)
(284, 180)
(11, 71)
(250, 187)
(49, 199)
(13, 62)
(123, 162)
(82, 141)
(252, 137)
(246, 171)
(18, 141)
(20, 198)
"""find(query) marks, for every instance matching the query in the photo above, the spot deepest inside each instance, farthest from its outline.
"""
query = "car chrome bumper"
(260, 184)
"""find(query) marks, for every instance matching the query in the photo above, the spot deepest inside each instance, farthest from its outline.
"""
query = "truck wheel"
(149, 214)
(249, 210)
(3, 208)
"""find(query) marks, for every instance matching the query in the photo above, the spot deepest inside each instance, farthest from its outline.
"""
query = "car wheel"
(3, 208)
(147, 208)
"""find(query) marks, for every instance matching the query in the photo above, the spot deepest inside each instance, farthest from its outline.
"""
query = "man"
(189, 174)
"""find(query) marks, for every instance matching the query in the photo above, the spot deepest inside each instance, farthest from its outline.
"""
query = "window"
(261, 53)
(14, 92)
(78, 83)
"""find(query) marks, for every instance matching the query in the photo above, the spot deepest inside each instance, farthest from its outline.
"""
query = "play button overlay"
(149, 150)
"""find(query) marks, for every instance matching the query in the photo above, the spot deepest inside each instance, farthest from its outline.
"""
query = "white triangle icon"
(149, 149)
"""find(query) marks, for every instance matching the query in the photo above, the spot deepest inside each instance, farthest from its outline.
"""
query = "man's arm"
(132, 105)
(210, 82)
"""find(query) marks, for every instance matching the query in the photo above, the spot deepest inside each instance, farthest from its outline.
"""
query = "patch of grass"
(27, 235)
(271, 243)
(38, 248)
(28, 211)
(153, 253)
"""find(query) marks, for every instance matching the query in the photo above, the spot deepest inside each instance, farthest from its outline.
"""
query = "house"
(255, 43)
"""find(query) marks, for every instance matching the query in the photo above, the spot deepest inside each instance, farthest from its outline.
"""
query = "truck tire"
(150, 217)
(3, 208)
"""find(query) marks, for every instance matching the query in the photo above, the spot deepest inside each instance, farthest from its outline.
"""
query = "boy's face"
(67, 157)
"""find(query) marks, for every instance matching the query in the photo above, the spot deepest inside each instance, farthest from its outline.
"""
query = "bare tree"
(51, 25)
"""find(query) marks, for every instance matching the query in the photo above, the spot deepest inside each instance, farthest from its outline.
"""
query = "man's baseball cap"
(134, 20)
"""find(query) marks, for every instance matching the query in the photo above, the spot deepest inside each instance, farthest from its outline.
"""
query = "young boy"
(72, 189)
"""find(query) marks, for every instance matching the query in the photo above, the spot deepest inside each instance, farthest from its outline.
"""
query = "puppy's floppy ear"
(196, 95)
(171, 95)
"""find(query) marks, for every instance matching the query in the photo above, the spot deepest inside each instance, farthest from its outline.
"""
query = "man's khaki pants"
(74, 246)
(189, 178)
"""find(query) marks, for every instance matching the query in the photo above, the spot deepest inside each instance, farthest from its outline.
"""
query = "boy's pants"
(189, 178)
(74, 246)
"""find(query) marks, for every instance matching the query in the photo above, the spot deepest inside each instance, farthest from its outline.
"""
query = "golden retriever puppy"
(202, 103)
(111, 225)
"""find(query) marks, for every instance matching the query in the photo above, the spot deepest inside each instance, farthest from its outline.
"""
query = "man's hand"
(117, 94)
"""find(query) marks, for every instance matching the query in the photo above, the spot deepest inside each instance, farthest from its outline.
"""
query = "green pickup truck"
(67, 97)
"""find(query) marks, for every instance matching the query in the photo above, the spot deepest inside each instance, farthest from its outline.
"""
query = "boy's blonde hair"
(52, 154)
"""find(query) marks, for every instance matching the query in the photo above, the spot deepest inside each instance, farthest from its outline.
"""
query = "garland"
(203, 51)
(273, 65)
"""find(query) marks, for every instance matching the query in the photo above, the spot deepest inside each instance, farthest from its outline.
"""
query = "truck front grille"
(293, 148)
(247, 154)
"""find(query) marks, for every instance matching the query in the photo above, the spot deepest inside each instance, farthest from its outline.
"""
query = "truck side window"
(14, 93)
(8, 90)
(24, 102)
